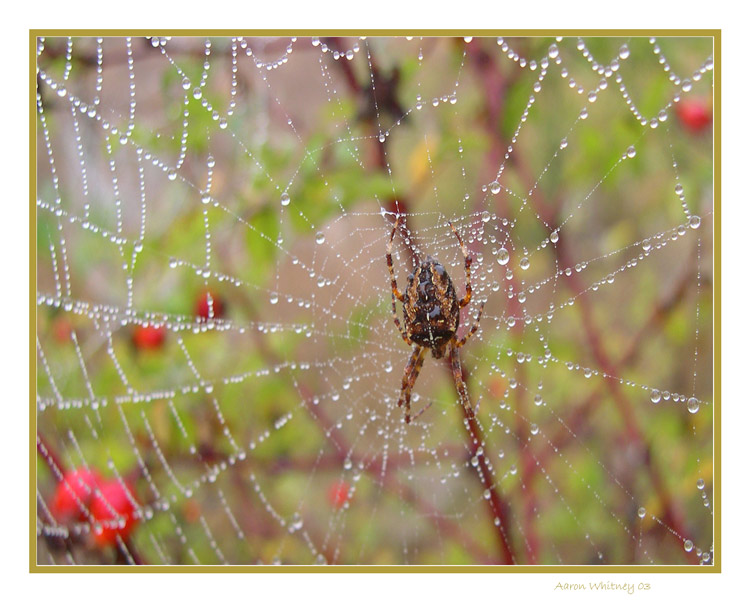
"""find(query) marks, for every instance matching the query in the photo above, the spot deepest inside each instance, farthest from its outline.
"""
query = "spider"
(431, 318)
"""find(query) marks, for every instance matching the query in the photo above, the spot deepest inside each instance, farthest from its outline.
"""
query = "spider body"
(431, 318)
(431, 309)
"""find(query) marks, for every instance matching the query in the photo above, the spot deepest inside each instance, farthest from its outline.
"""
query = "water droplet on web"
(296, 523)
(388, 367)
(273, 299)
(186, 83)
(284, 199)
(554, 236)
(524, 263)
(641, 512)
(197, 93)
(700, 483)
(655, 396)
(171, 175)
(503, 257)
(688, 545)
(495, 187)
(485, 216)
(538, 400)
(553, 51)
(630, 152)
(693, 405)
(563, 143)
(534, 430)
(320, 238)
(624, 52)
(694, 222)
(205, 198)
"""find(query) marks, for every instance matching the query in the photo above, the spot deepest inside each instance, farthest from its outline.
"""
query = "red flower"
(148, 337)
(695, 115)
(74, 494)
(202, 305)
(114, 511)
(338, 494)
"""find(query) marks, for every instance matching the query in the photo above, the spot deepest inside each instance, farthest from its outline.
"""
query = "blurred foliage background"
(216, 349)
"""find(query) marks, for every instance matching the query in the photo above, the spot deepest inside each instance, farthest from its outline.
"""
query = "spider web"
(269, 171)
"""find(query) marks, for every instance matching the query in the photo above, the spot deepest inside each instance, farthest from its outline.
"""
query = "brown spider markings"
(431, 319)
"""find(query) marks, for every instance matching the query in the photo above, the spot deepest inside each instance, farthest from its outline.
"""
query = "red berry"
(114, 512)
(338, 494)
(695, 115)
(62, 329)
(202, 306)
(74, 494)
(149, 337)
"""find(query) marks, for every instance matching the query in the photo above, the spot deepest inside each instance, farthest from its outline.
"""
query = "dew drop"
(655, 396)
(503, 257)
(495, 187)
(694, 222)
(688, 545)
(205, 198)
(554, 236)
(624, 51)
(284, 199)
(273, 298)
(320, 238)
(693, 405)
(630, 152)
(641, 512)
(524, 263)
(563, 143)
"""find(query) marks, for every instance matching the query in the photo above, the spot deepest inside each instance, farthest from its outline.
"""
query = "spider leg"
(474, 328)
(410, 376)
(458, 378)
(467, 266)
(395, 293)
(407, 382)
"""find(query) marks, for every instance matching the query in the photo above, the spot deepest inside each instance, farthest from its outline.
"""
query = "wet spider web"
(269, 171)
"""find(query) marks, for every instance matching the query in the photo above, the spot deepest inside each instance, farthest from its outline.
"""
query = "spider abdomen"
(431, 309)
